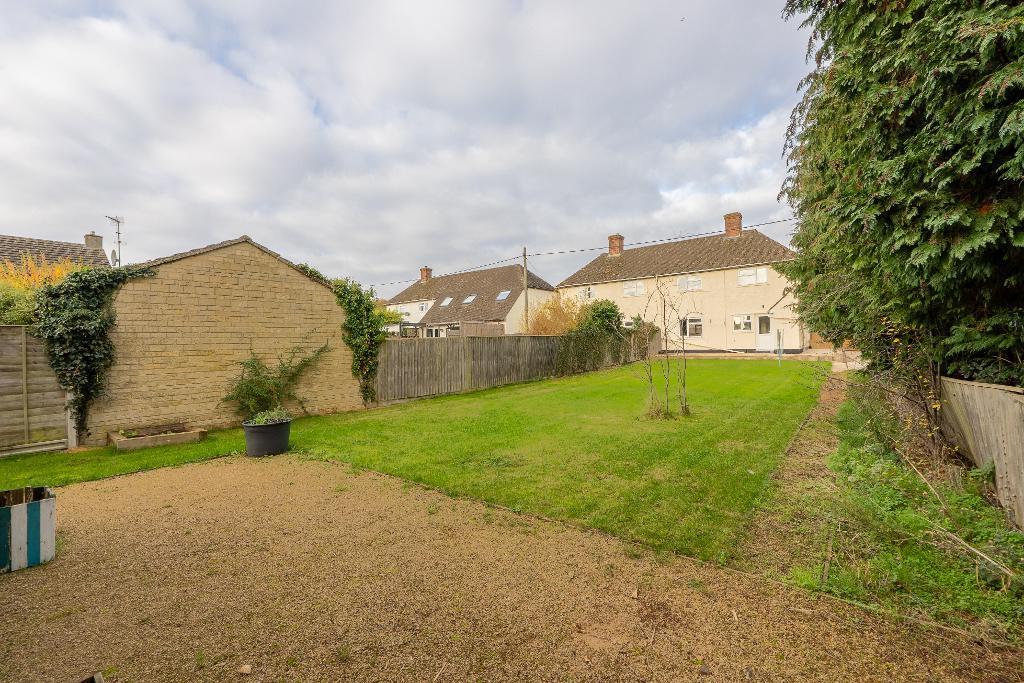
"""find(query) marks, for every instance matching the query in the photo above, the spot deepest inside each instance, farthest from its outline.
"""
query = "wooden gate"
(32, 415)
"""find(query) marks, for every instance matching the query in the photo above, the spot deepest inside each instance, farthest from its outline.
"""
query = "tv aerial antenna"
(117, 221)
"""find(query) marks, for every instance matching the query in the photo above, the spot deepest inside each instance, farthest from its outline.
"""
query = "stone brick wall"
(180, 335)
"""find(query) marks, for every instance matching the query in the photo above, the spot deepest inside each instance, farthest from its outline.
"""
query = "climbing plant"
(314, 274)
(363, 332)
(74, 319)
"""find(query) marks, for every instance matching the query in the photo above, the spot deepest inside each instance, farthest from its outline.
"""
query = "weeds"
(905, 547)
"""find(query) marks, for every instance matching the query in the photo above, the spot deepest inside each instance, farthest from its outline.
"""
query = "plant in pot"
(260, 393)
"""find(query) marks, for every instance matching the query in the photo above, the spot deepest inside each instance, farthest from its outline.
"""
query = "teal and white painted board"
(27, 533)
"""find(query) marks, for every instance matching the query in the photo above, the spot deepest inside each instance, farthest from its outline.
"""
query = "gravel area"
(299, 570)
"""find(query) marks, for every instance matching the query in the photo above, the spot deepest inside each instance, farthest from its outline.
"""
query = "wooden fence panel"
(31, 402)
(412, 368)
(987, 421)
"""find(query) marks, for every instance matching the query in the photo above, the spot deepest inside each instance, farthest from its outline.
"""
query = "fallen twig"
(991, 560)
(942, 501)
(828, 555)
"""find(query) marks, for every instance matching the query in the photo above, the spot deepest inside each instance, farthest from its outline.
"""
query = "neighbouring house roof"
(486, 284)
(12, 248)
(227, 243)
(713, 252)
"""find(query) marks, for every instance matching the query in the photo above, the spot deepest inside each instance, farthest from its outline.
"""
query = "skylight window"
(447, 300)
(469, 299)
(502, 295)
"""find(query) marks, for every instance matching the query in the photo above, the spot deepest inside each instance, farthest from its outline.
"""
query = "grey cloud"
(372, 138)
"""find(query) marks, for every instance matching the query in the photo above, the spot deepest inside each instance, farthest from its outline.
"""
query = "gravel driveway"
(309, 571)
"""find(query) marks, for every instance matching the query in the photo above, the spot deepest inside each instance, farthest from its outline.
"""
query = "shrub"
(20, 282)
(597, 341)
(269, 417)
(602, 315)
(557, 315)
(35, 272)
(17, 306)
(260, 388)
(905, 169)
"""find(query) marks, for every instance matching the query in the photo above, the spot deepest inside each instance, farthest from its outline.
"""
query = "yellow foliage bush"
(19, 283)
(35, 271)
(557, 315)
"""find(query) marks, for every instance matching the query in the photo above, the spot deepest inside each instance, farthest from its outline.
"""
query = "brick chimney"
(615, 244)
(94, 241)
(733, 224)
(425, 273)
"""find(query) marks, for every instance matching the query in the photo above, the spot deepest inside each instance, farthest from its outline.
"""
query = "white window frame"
(748, 277)
(424, 306)
(503, 294)
(743, 322)
(690, 283)
(469, 299)
(447, 300)
(686, 322)
(634, 288)
(587, 293)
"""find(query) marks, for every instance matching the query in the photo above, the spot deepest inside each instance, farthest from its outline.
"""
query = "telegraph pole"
(117, 221)
(526, 294)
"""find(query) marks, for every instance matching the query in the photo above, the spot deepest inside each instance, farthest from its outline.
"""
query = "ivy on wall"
(74, 319)
(363, 332)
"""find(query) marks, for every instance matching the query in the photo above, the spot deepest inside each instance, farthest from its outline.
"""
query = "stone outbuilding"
(181, 333)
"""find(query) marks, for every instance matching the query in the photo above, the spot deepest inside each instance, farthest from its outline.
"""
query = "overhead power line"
(675, 238)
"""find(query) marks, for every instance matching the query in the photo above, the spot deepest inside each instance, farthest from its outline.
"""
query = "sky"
(371, 138)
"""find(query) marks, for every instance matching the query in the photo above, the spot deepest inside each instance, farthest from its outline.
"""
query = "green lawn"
(575, 448)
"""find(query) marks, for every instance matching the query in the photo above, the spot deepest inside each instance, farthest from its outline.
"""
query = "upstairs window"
(635, 288)
(447, 300)
(752, 276)
(742, 323)
(690, 283)
(423, 306)
(692, 326)
(469, 299)
(586, 293)
(502, 295)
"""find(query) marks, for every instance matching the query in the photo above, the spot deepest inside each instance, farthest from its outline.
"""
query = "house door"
(765, 333)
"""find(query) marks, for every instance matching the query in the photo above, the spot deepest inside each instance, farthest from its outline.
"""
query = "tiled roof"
(685, 256)
(12, 248)
(486, 284)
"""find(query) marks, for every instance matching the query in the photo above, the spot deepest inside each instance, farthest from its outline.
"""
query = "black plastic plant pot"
(268, 439)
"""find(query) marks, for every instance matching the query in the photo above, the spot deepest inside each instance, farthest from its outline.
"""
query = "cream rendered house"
(489, 302)
(714, 293)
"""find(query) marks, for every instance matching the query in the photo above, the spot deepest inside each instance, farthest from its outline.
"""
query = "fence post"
(24, 379)
(467, 365)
